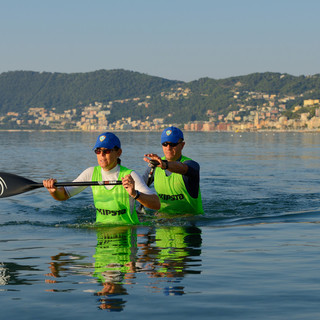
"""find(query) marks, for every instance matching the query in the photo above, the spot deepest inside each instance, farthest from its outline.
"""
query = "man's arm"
(172, 166)
(192, 178)
(176, 167)
(190, 171)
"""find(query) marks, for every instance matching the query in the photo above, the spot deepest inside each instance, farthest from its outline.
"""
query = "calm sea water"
(253, 255)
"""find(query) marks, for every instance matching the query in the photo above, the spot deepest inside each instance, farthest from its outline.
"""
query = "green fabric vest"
(116, 249)
(113, 206)
(173, 250)
(173, 194)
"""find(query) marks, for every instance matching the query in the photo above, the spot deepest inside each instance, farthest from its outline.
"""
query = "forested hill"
(20, 90)
(182, 101)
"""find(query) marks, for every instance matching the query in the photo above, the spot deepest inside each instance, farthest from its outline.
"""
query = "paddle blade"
(11, 184)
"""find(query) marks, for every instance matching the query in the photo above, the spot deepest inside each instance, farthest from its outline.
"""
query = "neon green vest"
(172, 248)
(113, 206)
(174, 197)
(116, 249)
(174, 245)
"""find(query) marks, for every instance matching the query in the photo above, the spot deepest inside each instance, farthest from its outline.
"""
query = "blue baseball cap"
(171, 134)
(107, 140)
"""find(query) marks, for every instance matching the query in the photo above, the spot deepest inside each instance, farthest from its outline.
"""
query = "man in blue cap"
(115, 204)
(176, 177)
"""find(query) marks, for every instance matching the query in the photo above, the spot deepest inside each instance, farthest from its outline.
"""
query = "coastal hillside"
(138, 96)
(20, 90)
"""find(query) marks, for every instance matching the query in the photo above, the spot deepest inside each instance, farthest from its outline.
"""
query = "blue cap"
(107, 140)
(171, 134)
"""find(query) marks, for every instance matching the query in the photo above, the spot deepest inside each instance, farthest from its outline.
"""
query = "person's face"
(171, 151)
(107, 159)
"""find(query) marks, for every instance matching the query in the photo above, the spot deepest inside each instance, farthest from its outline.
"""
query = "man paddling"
(176, 178)
(114, 204)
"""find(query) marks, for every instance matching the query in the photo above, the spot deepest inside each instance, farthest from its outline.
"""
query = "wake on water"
(222, 212)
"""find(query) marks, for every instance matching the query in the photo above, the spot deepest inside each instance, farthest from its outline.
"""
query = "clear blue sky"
(174, 39)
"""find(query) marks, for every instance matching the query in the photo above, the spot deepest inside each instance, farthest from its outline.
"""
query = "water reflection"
(162, 256)
(115, 262)
(176, 251)
(12, 273)
(62, 263)
(165, 255)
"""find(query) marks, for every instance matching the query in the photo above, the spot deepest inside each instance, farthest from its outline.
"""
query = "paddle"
(152, 164)
(11, 184)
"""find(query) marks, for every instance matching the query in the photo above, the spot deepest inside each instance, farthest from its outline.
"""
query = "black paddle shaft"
(11, 184)
(152, 164)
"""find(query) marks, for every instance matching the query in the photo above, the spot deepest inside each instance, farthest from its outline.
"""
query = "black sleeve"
(192, 177)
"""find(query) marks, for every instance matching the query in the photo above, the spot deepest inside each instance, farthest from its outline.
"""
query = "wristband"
(166, 164)
(137, 195)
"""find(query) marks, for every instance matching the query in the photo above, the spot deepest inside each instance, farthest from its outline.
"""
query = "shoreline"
(140, 130)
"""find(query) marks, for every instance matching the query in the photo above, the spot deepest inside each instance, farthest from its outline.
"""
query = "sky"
(174, 39)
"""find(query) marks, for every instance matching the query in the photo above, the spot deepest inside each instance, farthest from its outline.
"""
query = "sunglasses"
(171, 144)
(104, 151)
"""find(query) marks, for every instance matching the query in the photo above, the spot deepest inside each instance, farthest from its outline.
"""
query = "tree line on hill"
(20, 90)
